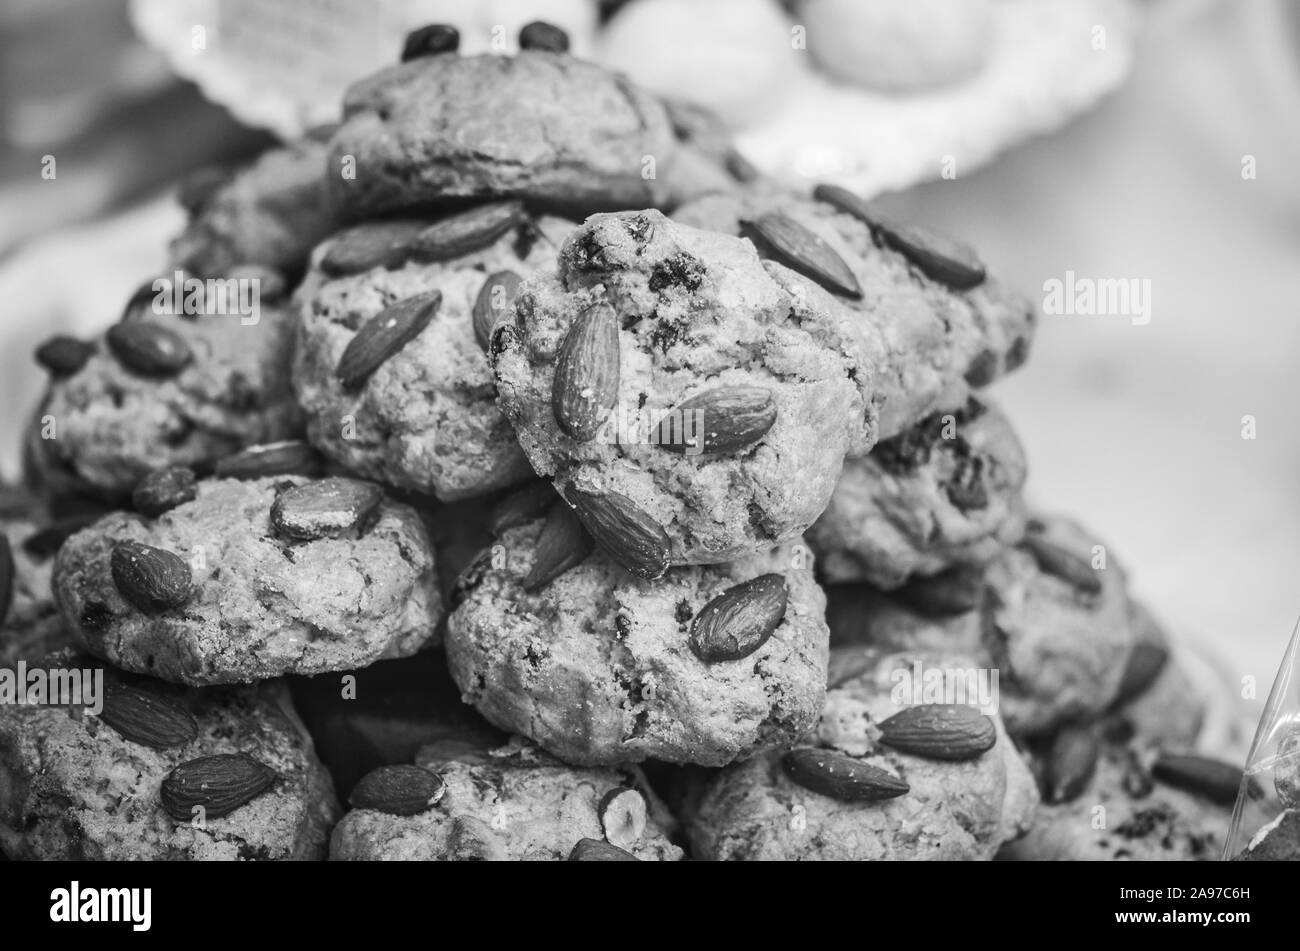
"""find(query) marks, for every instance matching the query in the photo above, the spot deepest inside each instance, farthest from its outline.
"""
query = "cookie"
(30, 625)
(537, 125)
(1058, 629)
(930, 339)
(511, 804)
(822, 800)
(714, 402)
(74, 787)
(170, 390)
(426, 419)
(598, 667)
(1122, 814)
(252, 580)
(270, 213)
(945, 493)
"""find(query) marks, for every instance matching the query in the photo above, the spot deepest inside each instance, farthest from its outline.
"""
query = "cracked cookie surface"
(697, 312)
(72, 787)
(509, 804)
(260, 604)
(944, 493)
(753, 811)
(596, 667)
(427, 419)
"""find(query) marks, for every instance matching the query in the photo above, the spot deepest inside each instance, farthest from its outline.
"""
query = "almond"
(496, 299)
(841, 777)
(147, 719)
(626, 532)
(1213, 779)
(947, 594)
(1061, 563)
(164, 489)
(562, 544)
(148, 349)
(152, 579)
(369, 245)
(623, 816)
(801, 250)
(942, 731)
(1071, 762)
(587, 373)
(467, 232)
(290, 457)
(723, 419)
(63, 356)
(1144, 664)
(543, 36)
(594, 850)
(398, 790)
(325, 509)
(383, 336)
(6, 576)
(218, 784)
(740, 620)
(430, 41)
(522, 506)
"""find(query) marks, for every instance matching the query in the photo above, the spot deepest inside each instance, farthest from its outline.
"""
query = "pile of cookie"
(575, 493)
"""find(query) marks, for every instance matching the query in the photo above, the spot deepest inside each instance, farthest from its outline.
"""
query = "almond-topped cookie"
(252, 580)
(934, 322)
(704, 665)
(157, 390)
(464, 802)
(540, 125)
(886, 775)
(691, 404)
(943, 494)
(161, 773)
(424, 416)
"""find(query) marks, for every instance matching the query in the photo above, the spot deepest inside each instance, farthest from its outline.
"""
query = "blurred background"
(1127, 161)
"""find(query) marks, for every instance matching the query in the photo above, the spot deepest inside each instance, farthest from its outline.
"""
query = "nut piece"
(62, 356)
(470, 577)
(623, 817)
(148, 349)
(290, 457)
(398, 790)
(939, 257)
(147, 719)
(325, 509)
(370, 244)
(218, 784)
(164, 489)
(471, 840)
(383, 335)
(840, 777)
(624, 530)
(496, 299)
(740, 620)
(1054, 560)
(466, 232)
(1136, 780)
(1145, 662)
(587, 373)
(943, 731)
(152, 579)
(1071, 762)
(522, 506)
(947, 594)
(1286, 771)
(1214, 779)
(562, 544)
(430, 41)
(593, 850)
(723, 419)
(801, 250)
(543, 36)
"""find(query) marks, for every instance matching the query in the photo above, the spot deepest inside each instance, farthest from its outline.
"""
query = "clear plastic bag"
(1266, 819)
